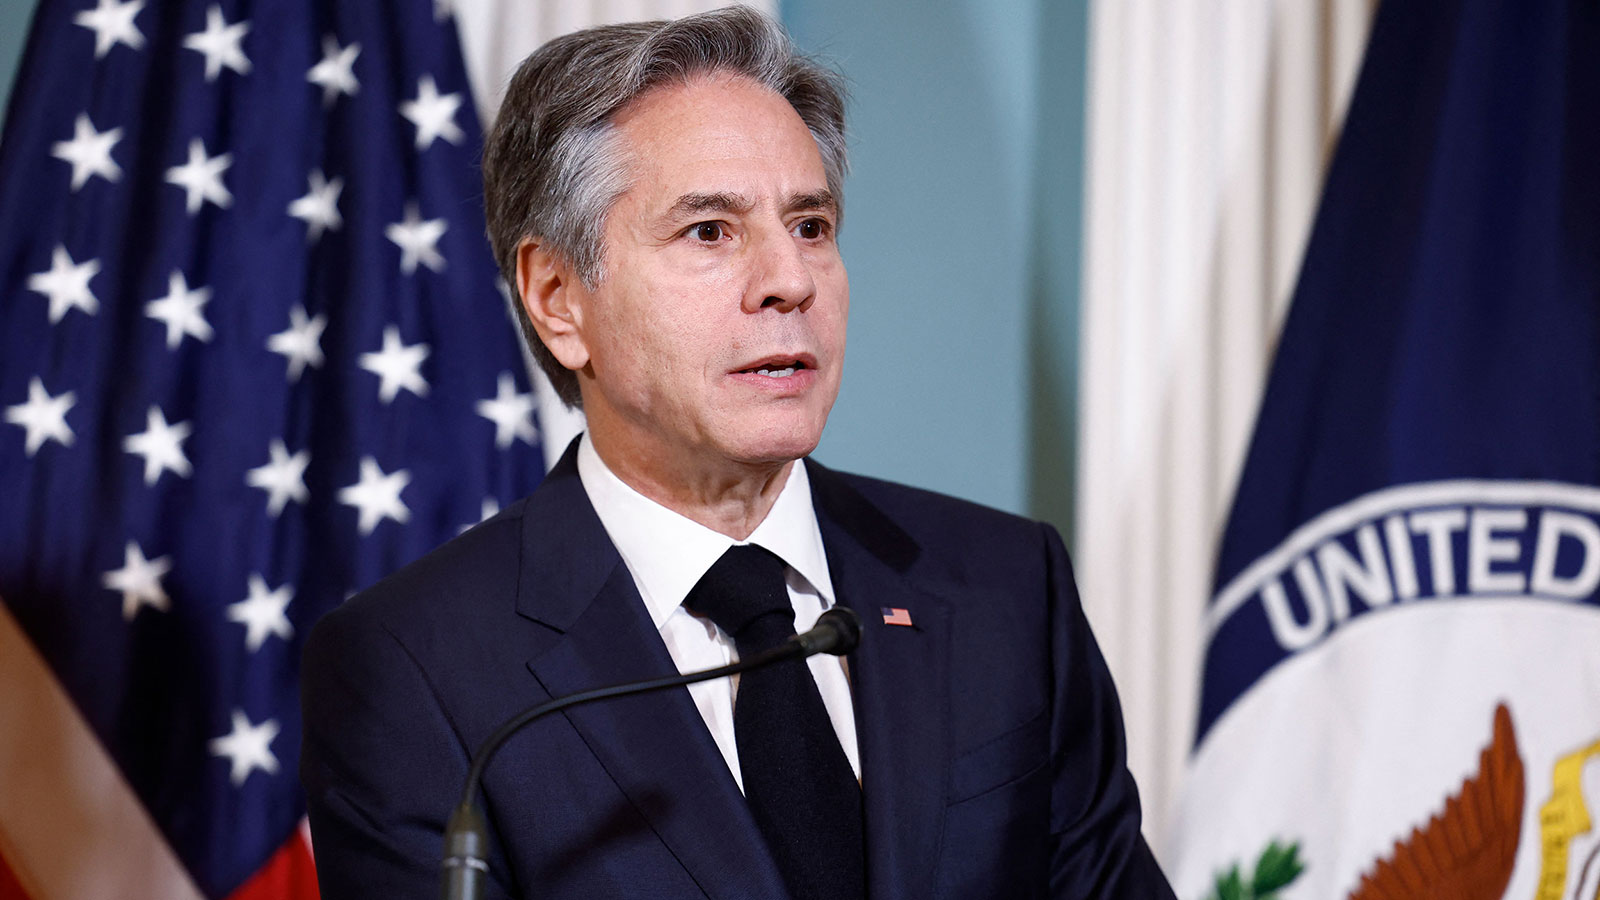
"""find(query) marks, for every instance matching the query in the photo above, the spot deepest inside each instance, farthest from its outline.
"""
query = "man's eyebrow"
(728, 201)
(818, 200)
(720, 201)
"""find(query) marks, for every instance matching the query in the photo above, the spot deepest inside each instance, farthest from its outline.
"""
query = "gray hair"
(551, 169)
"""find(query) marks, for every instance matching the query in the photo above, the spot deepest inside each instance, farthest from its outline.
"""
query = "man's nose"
(782, 277)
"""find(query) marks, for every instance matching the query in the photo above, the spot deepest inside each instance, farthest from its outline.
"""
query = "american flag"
(253, 356)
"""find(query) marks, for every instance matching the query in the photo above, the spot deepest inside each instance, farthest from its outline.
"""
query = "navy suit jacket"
(990, 736)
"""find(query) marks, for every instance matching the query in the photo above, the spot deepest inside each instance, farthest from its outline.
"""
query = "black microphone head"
(847, 624)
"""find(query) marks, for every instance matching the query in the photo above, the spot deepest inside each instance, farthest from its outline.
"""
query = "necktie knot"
(745, 595)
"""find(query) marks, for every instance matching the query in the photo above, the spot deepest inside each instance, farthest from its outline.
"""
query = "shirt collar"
(667, 553)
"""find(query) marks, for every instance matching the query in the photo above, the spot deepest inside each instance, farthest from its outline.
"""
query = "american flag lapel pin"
(894, 615)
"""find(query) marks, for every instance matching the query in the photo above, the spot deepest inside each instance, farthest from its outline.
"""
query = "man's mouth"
(782, 368)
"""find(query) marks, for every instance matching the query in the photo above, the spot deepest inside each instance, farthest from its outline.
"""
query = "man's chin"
(774, 446)
(773, 456)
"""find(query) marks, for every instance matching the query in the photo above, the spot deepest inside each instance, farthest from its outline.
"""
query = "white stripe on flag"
(72, 828)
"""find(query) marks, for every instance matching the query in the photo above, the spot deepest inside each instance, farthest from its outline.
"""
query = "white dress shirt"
(668, 553)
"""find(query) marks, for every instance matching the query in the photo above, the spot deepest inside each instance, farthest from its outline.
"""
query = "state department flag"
(1402, 673)
(253, 356)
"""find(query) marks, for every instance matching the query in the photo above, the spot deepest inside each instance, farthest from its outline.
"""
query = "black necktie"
(797, 779)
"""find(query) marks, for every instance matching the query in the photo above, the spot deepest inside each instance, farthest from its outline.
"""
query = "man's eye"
(810, 229)
(710, 232)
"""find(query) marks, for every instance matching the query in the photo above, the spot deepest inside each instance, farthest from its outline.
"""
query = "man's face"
(717, 332)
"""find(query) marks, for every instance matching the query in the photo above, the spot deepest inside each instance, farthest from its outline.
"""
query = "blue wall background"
(961, 236)
(14, 18)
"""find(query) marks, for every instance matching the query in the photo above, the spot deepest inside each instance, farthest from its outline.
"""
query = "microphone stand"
(466, 836)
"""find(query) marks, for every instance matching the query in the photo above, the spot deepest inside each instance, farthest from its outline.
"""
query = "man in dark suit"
(665, 198)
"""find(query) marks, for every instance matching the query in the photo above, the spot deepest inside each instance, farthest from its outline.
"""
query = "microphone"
(836, 633)
(466, 838)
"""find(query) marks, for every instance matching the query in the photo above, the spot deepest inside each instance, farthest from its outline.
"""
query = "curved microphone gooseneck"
(466, 838)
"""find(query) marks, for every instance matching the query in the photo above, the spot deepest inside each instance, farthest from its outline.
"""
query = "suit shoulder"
(473, 571)
(917, 509)
(944, 537)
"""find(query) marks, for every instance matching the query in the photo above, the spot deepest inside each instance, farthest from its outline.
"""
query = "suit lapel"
(654, 746)
(899, 681)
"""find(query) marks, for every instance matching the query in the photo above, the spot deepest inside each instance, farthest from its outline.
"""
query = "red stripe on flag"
(10, 888)
(288, 875)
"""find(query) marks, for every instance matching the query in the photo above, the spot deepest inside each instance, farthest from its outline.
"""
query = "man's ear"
(553, 297)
